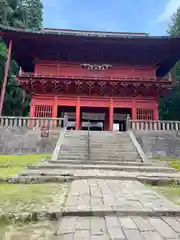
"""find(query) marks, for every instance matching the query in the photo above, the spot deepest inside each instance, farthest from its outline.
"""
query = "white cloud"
(169, 9)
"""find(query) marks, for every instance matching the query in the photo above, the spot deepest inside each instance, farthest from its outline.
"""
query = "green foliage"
(174, 26)
(33, 13)
(21, 14)
(169, 104)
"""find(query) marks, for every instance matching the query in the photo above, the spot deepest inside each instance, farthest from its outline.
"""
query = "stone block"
(163, 228)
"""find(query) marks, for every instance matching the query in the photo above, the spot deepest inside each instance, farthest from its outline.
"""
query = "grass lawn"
(11, 165)
(28, 231)
(172, 192)
(27, 198)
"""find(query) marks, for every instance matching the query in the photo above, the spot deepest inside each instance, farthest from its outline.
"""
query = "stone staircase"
(111, 155)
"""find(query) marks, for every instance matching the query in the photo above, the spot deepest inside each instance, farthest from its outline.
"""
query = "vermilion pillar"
(106, 120)
(55, 107)
(134, 109)
(78, 113)
(156, 113)
(5, 77)
(32, 110)
(111, 115)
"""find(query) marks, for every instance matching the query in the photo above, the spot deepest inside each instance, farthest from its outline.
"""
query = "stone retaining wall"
(26, 141)
(159, 143)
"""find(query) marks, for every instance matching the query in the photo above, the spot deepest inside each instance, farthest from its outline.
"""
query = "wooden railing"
(153, 125)
(94, 77)
(29, 122)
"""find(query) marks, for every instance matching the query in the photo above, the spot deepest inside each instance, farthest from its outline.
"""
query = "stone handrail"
(153, 125)
(30, 122)
(89, 140)
(92, 77)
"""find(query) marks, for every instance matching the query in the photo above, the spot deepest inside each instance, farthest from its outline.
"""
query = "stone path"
(105, 197)
(114, 207)
(119, 228)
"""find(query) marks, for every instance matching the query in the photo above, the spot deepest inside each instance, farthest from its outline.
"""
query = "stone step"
(98, 154)
(114, 153)
(104, 167)
(75, 158)
(108, 158)
(99, 162)
(30, 178)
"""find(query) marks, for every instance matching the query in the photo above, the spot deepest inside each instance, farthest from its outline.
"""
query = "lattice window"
(43, 111)
(145, 114)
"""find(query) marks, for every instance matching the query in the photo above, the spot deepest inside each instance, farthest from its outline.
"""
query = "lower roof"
(92, 47)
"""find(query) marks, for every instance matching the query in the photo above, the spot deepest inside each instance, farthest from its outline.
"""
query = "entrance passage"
(120, 115)
(94, 118)
(71, 112)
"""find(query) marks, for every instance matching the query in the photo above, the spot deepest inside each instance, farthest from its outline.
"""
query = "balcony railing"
(29, 122)
(94, 77)
(153, 125)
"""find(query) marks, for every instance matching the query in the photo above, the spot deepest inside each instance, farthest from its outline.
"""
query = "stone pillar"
(78, 113)
(111, 115)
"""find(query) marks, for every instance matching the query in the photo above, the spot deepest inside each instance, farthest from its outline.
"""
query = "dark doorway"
(71, 111)
(120, 115)
(94, 117)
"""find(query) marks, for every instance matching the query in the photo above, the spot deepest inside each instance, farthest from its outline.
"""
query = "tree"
(33, 13)
(21, 14)
(169, 104)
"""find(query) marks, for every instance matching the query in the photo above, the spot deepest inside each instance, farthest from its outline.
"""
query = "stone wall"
(159, 143)
(26, 141)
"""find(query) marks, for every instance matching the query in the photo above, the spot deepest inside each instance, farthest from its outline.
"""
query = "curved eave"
(82, 46)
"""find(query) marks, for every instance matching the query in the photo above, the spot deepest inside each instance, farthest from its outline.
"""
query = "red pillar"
(55, 107)
(5, 77)
(106, 120)
(32, 110)
(111, 115)
(134, 110)
(78, 113)
(156, 113)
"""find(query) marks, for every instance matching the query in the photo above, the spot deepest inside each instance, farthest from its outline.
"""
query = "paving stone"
(163, 228)
(67, 225)
(151, 235)
(83, 223)
(143, 223)
(97, 226)
(116, 233)
(100, 237)
(173, 223)
(68, 236)
(132, 234)
(112, 222)
(82, 235)
(127, 223)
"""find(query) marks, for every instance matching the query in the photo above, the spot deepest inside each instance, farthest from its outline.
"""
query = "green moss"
(12, 165)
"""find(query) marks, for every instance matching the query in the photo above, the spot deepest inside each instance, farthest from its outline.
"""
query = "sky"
(150, 16)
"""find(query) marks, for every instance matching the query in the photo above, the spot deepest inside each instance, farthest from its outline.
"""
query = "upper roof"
(92, 47)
